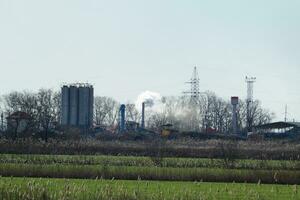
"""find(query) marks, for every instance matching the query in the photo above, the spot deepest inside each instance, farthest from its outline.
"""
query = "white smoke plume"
(153, 101)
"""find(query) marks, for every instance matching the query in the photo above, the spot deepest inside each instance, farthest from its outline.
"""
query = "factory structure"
(124, 125)
(77, 106)
(77, 102)
(77, 109)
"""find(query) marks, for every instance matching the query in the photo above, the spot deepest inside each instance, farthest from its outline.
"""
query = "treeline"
(43, 107)
(210, 114)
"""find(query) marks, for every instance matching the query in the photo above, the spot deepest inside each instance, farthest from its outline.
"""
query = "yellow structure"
(165, 132)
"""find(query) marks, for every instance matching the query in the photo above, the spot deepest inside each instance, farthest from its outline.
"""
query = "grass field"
(29, 188)
(134, 177)
(275, 150)
(133, 168)
(150, 162)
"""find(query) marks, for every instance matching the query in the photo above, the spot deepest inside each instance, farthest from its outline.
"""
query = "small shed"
(18, 122)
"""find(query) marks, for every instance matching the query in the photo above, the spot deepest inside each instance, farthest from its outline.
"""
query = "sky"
(125, 47)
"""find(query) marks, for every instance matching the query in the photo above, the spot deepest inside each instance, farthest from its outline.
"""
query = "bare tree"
(43, 107)
(47, 110)
(106, 110)
(257, 115)
(211, 112)
(21, 101)
(133, 112)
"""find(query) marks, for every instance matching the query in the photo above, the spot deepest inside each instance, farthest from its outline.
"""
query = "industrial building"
(124, 125)
(279, 128)
(77, 101)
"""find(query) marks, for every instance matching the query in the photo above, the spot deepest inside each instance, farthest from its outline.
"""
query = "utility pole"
(249, 101)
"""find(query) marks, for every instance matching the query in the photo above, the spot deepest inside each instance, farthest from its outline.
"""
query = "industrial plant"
(192, 112)
(77, 109)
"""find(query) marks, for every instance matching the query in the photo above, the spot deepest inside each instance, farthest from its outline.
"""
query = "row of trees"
(209, 113)
(43, 107)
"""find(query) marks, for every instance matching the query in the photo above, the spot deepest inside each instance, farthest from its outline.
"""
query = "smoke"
(153, 101)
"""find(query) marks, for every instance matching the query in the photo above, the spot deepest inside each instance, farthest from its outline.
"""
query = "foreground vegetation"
(150, 173)
(263, 150)
(150, 168)
(29, 188)
(156, 161)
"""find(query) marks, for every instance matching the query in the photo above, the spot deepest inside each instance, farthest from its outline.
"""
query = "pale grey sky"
(127, 47)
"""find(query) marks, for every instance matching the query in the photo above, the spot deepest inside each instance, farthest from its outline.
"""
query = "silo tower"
(77, 102)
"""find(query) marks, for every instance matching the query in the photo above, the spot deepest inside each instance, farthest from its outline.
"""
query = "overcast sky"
(127, 47)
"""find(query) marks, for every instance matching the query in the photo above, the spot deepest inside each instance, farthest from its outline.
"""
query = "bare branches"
(106, 110)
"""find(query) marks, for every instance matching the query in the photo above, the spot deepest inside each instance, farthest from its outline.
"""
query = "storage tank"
(91, 112)
(84, 107)
(73, 105)
(65, 97)
(77, 105)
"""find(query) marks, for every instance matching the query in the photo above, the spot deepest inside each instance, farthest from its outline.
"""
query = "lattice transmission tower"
(249, 101)
(194, 82)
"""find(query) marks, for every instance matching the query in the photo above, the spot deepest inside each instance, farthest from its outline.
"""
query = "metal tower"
(195, 87)
(286, 113)
(250, 82)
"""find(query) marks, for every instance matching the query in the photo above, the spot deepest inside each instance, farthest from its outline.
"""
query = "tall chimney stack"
(122, 126)
(143, 115)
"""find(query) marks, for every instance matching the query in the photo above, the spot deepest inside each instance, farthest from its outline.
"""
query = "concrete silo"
(65, 95)
(84, 119)
(91, 105)
(77, 105)
(73, 105)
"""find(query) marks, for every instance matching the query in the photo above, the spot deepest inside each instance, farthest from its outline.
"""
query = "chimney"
(122, 118)
(143, 115)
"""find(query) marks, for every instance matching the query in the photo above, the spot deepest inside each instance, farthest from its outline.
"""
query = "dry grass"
(173, 148)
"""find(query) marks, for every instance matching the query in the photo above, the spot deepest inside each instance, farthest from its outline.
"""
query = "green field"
(145, 168)
(150, 162)
(29, 188)
(133, 177)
